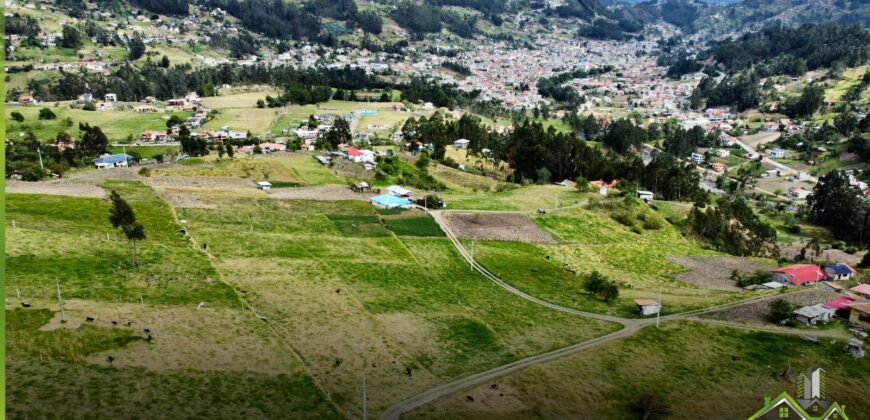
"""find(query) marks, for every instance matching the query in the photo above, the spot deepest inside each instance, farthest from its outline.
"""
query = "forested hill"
(716, 18)
(784, 50)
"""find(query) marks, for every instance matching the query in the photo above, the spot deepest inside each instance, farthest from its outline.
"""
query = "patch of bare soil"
(182, 200)
(207, 339)
(755, 140)
(715, 272)
(493, 397)
(98, 176)
(498, 227)
(347, 169)
(209, 182)
(324, 193)
(756, 312)
(828, 255)
(54, 188)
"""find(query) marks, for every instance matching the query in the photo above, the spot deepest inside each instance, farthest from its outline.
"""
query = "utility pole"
(39, 152)
(659, 313)
(60, 302)
(365, 412)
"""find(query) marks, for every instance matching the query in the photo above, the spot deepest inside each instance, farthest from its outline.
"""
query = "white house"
(645, 196)
(647, 307)
(461, 143)
(696, 158)
(110, 97)
(398, 191)
(360, 156)
(723, 153)
(776, 153)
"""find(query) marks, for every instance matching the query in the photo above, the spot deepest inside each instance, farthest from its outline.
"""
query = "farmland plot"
(333, 279)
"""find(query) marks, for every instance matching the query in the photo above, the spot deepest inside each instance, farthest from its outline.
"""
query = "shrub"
(89, 106)
(505, 186)
(780, 310)
(46, 114)
(865, 261)
(17, 116)
(145, 172)
(654, 221)
(158, 158)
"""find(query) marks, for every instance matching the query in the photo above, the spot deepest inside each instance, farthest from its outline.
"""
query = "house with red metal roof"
(799, 274)
(862, 290)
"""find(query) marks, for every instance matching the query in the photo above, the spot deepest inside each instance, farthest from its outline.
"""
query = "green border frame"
(3, 217)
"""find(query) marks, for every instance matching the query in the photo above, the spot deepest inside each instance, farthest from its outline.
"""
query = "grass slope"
(64, 238)
(699, 371)
(335, 279)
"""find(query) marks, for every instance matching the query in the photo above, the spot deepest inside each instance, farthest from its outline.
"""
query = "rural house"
(113, 161)
(461, 143)
(361, 187)
(839, 272)
(862, 290)
(799, 274)
(388, 201)
(812, 315)
(860, 316)
(647, 307)
(398, 191)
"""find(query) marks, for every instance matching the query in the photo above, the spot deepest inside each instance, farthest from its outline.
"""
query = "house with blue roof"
(388, 201)
(113, 161)
(839, 272)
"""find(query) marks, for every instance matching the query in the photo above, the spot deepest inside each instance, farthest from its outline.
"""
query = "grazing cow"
(110, 359)
(25, 304)
(469, 398)
(147, 331)
(337, 362)
(494, 386)
(129, 323)
(89, 319)
(409, 372)
(114, 322)
(337, 290)
(149, 338)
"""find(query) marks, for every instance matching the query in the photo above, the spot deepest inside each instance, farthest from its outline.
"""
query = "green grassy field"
(591, 240)
(65, 239)
(202, 362)
(297, 170)
(117, 125)
(528, 198)
(333, 274)
(698, 371)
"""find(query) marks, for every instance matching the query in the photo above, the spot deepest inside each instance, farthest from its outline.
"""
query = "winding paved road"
(630, 327)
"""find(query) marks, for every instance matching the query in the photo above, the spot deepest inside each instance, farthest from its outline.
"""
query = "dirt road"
(630, 327)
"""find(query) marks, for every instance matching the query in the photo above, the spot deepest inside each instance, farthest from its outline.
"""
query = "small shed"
(812, 315)
(647, 307)
(461, 143)
(361, 187)
(264, 185)
(645, 196)
(773, 285)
